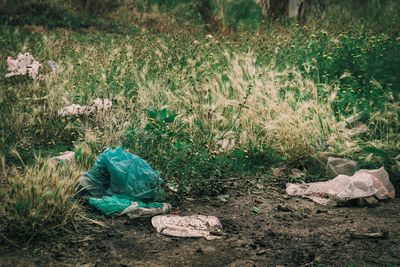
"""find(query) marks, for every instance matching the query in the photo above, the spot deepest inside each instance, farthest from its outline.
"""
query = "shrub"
(250, 106)
(237, 14)
(193, 166)
(371, 64)
(40, 199)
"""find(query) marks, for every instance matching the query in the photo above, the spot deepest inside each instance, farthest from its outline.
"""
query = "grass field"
(199, 106)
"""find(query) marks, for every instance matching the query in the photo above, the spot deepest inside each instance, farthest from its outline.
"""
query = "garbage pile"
(24, 64)
(349, 184)
(95, 106)
(121, 183)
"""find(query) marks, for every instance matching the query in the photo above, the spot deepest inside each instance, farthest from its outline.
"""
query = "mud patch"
(285, 231)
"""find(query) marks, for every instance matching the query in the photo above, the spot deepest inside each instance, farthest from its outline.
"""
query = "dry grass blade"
(40, 198)
(255, 106)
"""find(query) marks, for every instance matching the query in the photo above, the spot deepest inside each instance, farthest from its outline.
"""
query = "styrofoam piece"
(187, 226)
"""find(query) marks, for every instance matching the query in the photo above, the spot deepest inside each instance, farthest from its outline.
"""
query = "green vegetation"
(40, 199)
(199, 107)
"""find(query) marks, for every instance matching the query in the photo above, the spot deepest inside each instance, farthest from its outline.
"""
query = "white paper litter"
(67, 156)
(364, 183)
(24, 64)
(75, 109)
(53, 65)
(187, 226)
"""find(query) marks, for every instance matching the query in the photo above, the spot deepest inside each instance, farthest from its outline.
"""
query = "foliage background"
(206, 91)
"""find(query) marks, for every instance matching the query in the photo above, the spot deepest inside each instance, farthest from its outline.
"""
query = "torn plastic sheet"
(364, 183)
(145, 210)
(122, 183)
(119, 172)
(188, 226)
(52, 65)
(122, 205)
(338, 166)
(24, 64)
(67, 156)
(96, 105)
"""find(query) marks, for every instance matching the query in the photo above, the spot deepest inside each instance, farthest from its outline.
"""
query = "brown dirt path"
(288, 232)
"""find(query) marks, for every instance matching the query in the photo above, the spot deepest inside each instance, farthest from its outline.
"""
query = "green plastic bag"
(117, 172)
(109, 205)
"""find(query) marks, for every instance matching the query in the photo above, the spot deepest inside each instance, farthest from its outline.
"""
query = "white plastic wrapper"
(75, 109)
(364, 183)
(24, 64)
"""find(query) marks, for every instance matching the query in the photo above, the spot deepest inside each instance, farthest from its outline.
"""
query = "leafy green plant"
(199, 107)
(368, 65)
(192, 166)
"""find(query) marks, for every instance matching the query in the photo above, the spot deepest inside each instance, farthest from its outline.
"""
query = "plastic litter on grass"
(24, 64)
(121, 205)
(95, 106)
(67, 156)
(121, 183)
(145, 210)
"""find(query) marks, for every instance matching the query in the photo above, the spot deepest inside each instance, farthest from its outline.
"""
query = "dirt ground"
(286, 232)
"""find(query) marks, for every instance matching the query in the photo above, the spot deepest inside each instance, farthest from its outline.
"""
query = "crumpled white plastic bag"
(67, 156)
(24, 64)
(364, 183)
(96, 105)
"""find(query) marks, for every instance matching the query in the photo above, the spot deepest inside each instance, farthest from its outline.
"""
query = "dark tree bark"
(278, 8)
(310, 9)
(307, 9)
(206, 14)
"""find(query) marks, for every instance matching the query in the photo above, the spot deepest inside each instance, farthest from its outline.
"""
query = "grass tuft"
(39, 199)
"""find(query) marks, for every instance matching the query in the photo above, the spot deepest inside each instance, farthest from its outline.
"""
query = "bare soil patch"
(287, 231)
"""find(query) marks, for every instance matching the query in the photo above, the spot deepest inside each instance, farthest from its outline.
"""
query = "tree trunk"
(302, 9)
(310, 9)
(87, 6)
(278, 8)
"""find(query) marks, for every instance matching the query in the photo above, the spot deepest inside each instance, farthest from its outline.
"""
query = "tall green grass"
(200, 107)
(39, 199)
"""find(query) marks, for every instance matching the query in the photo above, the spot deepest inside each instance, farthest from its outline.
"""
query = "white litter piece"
(226, 144)
(188, 226)
(172, 186)
(24, 64)
(53, 65)
(364, 183)
(67, 156)
(338, 166)
(96, 105)
(354, 118)
(134, 211)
